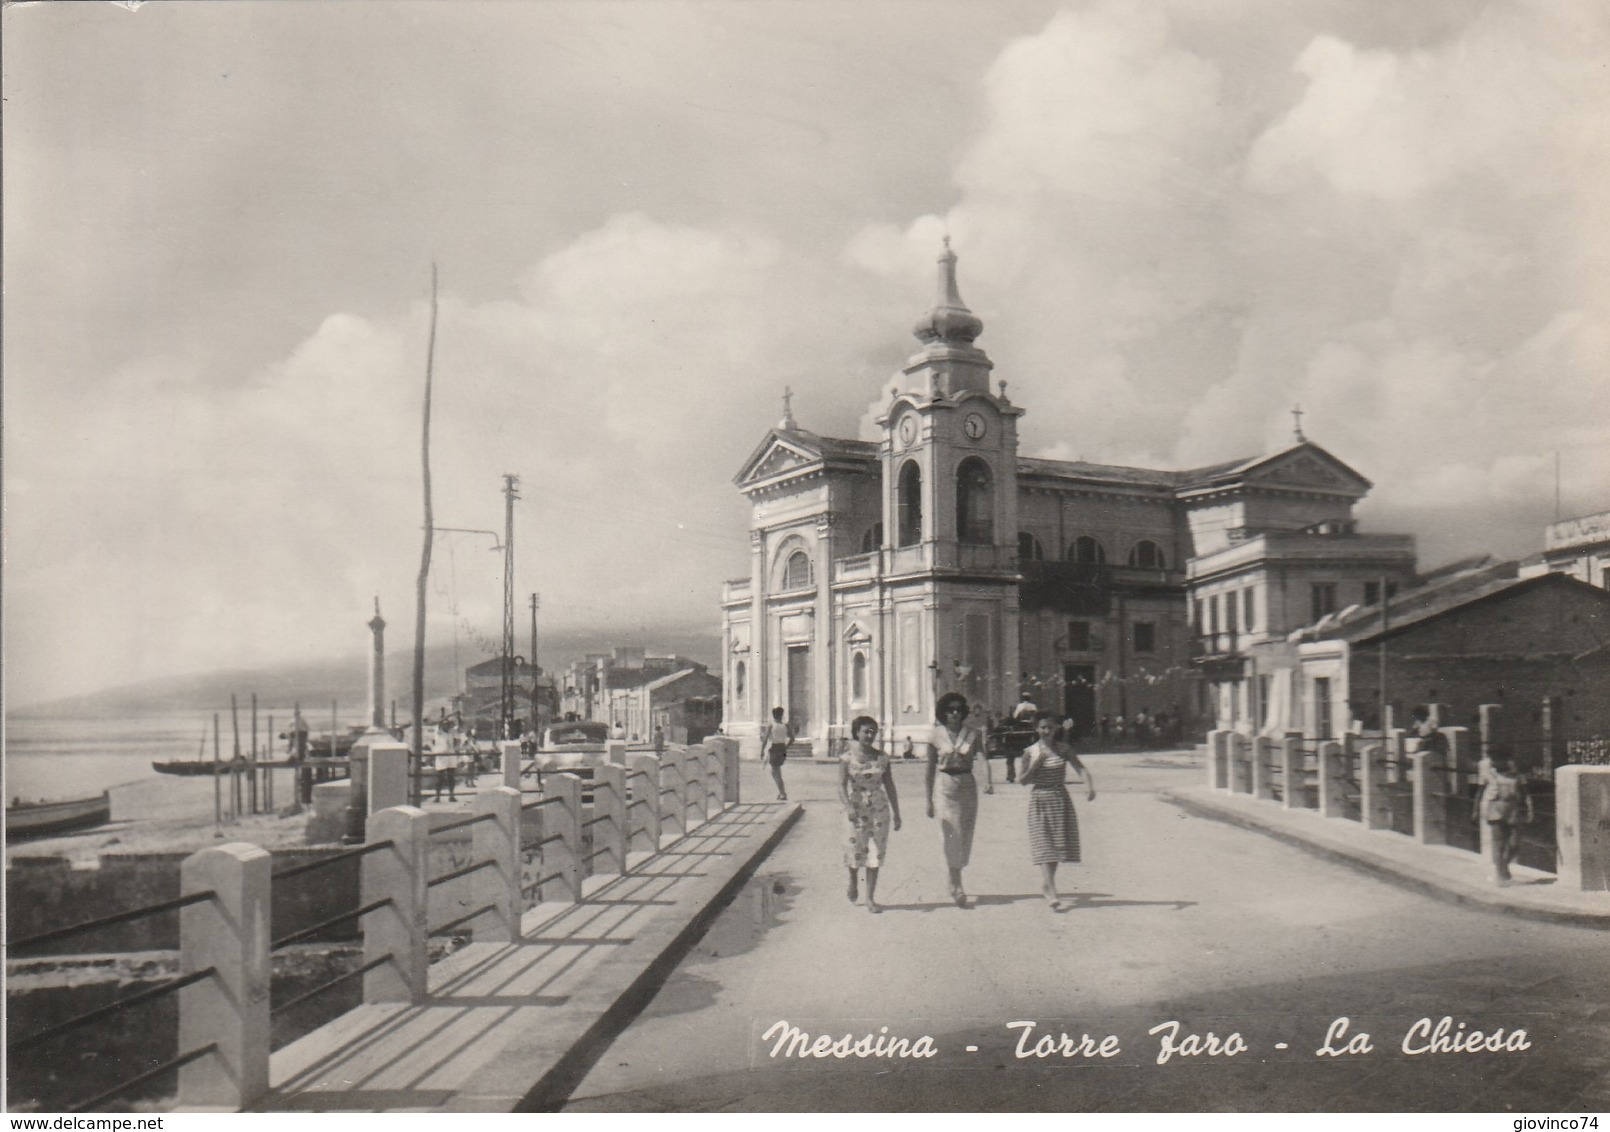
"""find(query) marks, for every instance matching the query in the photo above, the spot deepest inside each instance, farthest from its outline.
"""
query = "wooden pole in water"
(251, 782)
(217, 784)
(416, 793)
(333, 726)
(234, 763)
(268, 771)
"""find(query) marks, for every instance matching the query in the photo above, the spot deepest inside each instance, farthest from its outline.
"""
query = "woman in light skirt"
(953, 748)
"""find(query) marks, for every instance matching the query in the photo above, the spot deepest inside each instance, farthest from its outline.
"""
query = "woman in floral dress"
(866, 787)
(1053, 824)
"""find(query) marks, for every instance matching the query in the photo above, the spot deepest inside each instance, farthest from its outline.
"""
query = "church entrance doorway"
(1079, 697)
(799, 688)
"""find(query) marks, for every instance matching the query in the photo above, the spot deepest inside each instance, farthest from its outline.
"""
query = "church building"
(936, 558)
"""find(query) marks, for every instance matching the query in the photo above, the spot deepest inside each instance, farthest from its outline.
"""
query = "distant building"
(935, 558)
(1484, 636)
(482, 699)
(1579, 547)
(639, 692)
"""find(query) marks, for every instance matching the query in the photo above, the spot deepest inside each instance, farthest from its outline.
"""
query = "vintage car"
(571, 746)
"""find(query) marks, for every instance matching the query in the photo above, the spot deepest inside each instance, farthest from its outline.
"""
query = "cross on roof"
(1297, 423)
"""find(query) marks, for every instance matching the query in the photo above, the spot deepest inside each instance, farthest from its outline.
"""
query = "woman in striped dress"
(1053, 824)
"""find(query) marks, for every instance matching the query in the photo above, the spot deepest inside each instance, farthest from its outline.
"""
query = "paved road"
(1176, 919)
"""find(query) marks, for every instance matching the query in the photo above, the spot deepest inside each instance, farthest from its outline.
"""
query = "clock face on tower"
(908, 430)
(975, 426)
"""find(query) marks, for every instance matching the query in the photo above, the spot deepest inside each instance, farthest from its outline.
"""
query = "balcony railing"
(1206, 645)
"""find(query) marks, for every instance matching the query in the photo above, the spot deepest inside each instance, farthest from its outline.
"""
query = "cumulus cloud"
(1409, 243)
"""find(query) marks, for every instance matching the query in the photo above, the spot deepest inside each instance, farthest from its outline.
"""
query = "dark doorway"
(1079, 697)
(799, 687)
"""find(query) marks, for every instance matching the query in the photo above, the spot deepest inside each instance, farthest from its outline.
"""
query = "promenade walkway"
(513, 1025)
(1174, 917)
(1454, 875)
(522, 1027)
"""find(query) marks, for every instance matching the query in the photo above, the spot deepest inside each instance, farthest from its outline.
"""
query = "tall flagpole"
(415, 792)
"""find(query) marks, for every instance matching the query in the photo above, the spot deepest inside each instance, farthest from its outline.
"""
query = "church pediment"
(1308, 467)
(778, 461)
(776, 457)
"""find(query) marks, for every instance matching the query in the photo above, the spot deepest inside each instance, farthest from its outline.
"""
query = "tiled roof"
(1424, 603)
(1099, 473)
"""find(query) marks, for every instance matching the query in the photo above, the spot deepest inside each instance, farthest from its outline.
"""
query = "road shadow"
(1076, 901)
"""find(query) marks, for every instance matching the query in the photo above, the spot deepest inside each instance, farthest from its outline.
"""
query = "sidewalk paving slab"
(1454, 875)
(513, 1026)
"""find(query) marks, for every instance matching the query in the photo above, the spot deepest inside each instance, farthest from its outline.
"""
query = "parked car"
(573, 748)
(570, 746)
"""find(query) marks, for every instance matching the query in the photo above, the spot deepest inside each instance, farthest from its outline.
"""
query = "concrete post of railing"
(615, 751)
(388, 776)
(1262, 787)
(609, 800)
(1218, 777)
(564, 820)
(230, 934)
(727, 750)
(673, 792)
(509, 762)
(1397, 756)
(396, 931)
(1333, 768)
(1491, 717)
(1430, 807)
(1460, 765)
(693, 770)
(677, 761)
(710, 760)
(1356, 757)
(644, 820)
(1374, 810)
(1294, 789)
(497, 840)
(1240, 763)
(1582, 827)
(357, 794)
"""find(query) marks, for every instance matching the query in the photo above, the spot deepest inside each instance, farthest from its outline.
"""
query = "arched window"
(873, 539)
(858, 676)
(910, 501)
(1087, 550)
(797, 574)
(1028, 548)
(975, 502)
(1147, 555)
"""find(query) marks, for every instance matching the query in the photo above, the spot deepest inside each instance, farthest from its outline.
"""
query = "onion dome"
(949, 322)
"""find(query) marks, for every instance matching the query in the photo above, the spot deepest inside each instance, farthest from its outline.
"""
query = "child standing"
(1505, 805)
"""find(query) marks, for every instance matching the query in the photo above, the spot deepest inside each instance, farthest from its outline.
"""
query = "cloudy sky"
(1176, 217)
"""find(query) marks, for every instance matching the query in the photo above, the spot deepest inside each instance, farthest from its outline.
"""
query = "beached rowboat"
(43, 819)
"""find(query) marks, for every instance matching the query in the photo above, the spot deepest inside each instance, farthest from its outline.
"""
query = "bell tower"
(949, 454)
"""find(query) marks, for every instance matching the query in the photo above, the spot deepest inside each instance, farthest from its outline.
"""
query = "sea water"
(48, 758)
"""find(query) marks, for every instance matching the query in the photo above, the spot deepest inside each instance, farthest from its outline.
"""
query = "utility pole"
(511, 492)
(415, 758)
(1382, 658)
(536, 667)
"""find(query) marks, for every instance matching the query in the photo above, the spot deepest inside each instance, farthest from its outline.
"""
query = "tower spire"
(949, 322)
